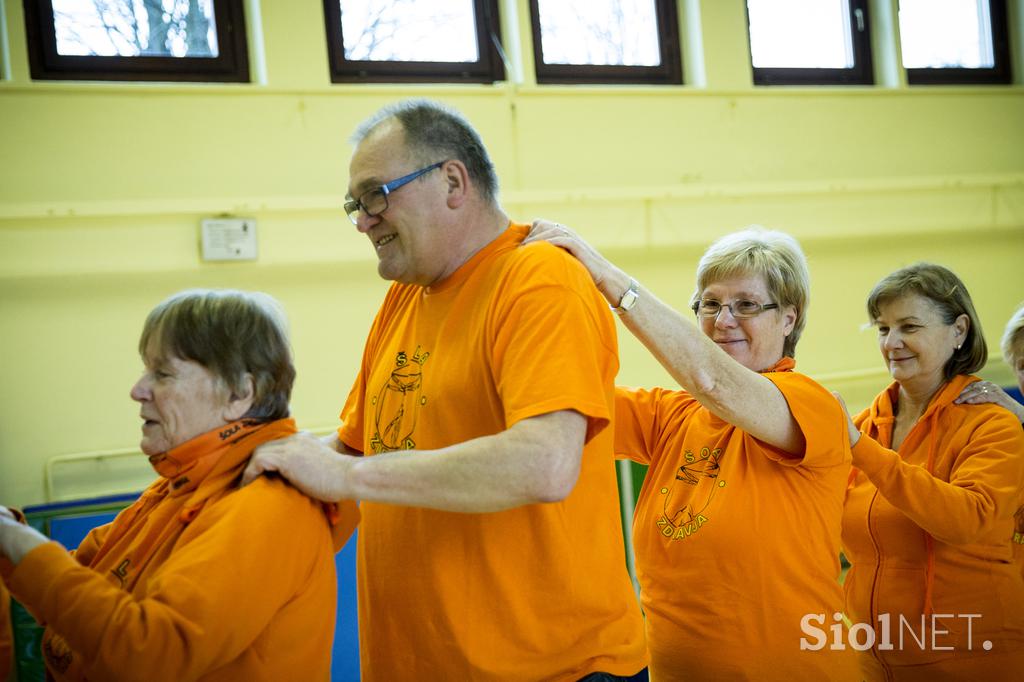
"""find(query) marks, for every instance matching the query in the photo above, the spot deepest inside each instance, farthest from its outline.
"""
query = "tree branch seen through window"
(137, 39)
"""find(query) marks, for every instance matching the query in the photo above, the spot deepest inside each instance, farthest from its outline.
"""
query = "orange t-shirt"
(737, 541)
(956, 515)
(536, 592)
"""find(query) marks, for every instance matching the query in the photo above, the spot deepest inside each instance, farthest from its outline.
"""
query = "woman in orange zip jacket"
(928, 524)
(198, 580)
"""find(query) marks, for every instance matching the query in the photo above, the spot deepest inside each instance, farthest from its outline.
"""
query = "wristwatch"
(628, 299)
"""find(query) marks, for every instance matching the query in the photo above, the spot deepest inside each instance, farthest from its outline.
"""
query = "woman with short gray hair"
(199, 579)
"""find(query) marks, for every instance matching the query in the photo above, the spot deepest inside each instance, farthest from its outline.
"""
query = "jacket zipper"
(874, 585)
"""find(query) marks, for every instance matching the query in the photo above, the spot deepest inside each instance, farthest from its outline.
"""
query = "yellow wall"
(102, 187)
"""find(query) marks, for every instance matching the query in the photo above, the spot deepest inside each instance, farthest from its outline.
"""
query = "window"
(606, 41)
(809, 42)
(413, 40)
(954, 41)
(144, 40)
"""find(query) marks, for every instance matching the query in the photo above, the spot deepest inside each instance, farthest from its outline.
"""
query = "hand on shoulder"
(306, 462)
(981, 392)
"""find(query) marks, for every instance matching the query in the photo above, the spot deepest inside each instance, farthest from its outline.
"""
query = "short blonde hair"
(1013, 339)
(773, 255)
(231, 333)
(947, 292)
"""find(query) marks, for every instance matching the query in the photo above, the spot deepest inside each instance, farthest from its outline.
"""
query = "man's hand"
(534, 461)
(17, 539)
(306, 462)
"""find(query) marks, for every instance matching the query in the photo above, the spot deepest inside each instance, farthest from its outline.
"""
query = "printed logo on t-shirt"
(397, 403)
(683, 516)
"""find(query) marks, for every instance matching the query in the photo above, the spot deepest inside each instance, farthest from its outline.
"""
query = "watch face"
(628, 299)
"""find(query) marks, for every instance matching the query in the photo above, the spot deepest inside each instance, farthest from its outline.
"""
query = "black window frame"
(488, 68)
(999, 74)
(668, 72)
(230, 66)
(861, 73)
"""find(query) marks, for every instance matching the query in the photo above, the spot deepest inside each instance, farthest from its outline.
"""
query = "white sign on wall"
(229, 239)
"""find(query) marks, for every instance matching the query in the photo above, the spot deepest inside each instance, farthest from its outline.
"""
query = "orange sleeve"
(983, 487)
(644, 419)
(254, 551)
(820, 418)
(860, 417)
(554, 347)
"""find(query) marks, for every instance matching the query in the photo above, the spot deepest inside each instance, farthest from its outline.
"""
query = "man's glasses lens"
(371, 203)
(375, 201)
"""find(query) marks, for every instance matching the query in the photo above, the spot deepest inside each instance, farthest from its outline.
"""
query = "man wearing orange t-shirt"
(491, 546)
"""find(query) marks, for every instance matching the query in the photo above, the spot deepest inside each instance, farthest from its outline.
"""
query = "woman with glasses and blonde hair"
(736, 530)
(928, 523)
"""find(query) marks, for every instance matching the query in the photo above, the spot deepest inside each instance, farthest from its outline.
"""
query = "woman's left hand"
(610, 280)
(17, 539)
(850, 427)
(978, 392)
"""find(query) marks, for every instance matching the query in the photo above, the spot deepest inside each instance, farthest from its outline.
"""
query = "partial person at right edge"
(1012, 345)
(978, 392)
(736, 530)
(928, 523)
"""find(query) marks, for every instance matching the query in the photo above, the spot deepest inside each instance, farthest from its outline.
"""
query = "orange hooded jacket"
(198, 580)
(929, 532)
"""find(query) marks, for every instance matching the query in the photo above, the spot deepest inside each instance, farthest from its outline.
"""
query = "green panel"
(626, 515)
(28, 655)
(639, 472)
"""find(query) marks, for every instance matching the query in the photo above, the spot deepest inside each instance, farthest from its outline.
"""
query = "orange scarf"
(785, 364)
(201, 470)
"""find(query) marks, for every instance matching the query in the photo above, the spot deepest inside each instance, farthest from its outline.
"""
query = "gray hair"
(232, 334)
(435, 132)
(1013, 339)
(773, 255)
